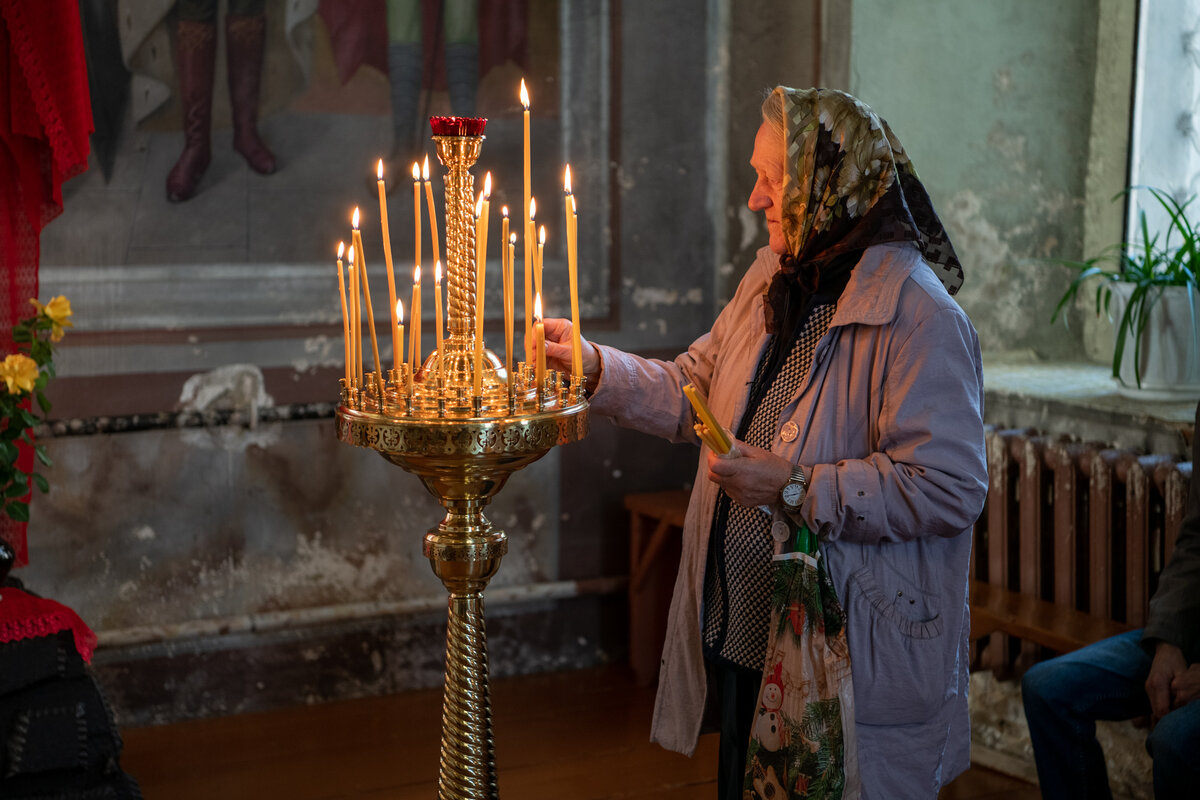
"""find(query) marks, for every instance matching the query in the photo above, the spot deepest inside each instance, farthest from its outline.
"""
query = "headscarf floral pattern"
(849, 184)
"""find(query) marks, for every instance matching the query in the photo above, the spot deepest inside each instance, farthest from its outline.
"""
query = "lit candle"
(481, 237)
(527, 211)
(437, 310)
(539, 343)
(400, 316)
(573, 275)
(414, 344)
(366, 286)
(397, 345)
(416, 173)
(345, 314)
(480, 272)
(506, 280)
(355, 319)
(399, 312)
(508, 308)
(433, 229)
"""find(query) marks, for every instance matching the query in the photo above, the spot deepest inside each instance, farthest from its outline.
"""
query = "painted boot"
(245, 38)
(195, 54)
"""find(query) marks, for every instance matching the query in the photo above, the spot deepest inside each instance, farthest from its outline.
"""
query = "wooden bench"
(655, 528)
(1058, 627)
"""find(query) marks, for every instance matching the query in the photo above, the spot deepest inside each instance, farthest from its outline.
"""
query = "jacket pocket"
(897, 650)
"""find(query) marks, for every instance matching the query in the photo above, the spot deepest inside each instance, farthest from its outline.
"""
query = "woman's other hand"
(558, 350)
(754, 478)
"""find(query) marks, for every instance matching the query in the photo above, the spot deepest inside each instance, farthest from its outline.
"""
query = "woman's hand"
(754, 478)
(558, 350)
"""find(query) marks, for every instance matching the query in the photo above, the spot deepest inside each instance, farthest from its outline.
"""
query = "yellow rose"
(19, 372)
(57, 311)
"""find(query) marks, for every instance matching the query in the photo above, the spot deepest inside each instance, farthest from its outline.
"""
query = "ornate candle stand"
(463, 446)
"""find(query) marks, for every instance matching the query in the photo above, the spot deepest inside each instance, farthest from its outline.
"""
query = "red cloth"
(358, 34)
(23, 616)
(45, 121)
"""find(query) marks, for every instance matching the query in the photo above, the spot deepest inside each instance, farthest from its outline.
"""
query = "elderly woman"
(853, 384)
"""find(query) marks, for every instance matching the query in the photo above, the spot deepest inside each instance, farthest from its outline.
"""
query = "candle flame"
(487, 185)
(350, 255)
(354, 219)
(437, 273)
(425, 170)
(532, 208)
(537, 307)
(567, 180)
(400, 311)
(341, 248)
(417, 170)
(512, 238)
(504, 211)
(524, 95)
(479, 206)
(542, 235)
(379, 170)
(417, 274)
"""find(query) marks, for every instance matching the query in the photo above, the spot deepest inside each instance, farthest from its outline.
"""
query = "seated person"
(1153, 671)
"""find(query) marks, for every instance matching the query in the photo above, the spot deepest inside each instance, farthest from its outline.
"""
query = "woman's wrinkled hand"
(754, 478)
(558, 350)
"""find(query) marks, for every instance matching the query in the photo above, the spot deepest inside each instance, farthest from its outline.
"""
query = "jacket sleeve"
(928, 474)
(1175, 607)
(647, 394)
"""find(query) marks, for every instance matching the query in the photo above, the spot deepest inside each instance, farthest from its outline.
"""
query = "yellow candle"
(355, 320)
(414, 344)
(362, 271)
(527, 211)
(537, 265)
(480, 272)
(345, 314)
(482, 236)
(416, 173)
(437, 311)
(506, 277)
(539, 343)
(721, 443)
(508, 333)
(573, 275)
(397, 346)
(530, 246)
(433, 229)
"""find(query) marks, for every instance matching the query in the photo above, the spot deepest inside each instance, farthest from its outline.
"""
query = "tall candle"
(366, 286)
(416, 173)
(482, 236)
(437, 310)
(400, 316)
(480, 272)
(539, 343)
(433, 228)
(414, 343)
(345, 314)
(573, 276)
(355, 319)
(530, 246)
(399, 312)
(526, 214)
(506, 279)
(508, 307)
(397, 344)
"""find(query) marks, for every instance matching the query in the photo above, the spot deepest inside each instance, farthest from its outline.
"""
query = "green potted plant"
(1149, 289)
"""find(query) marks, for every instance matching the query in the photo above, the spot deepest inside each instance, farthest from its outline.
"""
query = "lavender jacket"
(891, 431)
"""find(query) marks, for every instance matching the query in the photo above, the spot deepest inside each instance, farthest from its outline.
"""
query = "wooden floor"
(579, 735)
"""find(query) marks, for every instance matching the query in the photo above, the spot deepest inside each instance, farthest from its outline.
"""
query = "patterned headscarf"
(848, 184)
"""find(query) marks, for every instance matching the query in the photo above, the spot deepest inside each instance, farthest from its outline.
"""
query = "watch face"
(792, 494)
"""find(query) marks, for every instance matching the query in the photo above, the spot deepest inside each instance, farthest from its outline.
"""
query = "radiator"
(1078, 524)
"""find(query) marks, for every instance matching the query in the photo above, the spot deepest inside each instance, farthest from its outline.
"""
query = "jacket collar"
(873, 293)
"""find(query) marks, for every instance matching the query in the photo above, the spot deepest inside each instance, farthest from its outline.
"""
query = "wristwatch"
(793, 493)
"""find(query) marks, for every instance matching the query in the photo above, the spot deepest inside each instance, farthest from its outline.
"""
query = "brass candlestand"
(463, 446)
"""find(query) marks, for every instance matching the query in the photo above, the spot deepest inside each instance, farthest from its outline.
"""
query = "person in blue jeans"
(1154, 672)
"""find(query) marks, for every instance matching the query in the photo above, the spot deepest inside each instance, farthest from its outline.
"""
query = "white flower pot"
(1169, 358)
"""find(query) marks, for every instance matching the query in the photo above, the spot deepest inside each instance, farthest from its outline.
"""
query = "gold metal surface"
(463, 447)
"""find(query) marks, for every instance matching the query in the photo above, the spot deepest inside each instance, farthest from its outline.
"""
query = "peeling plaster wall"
(994, 103)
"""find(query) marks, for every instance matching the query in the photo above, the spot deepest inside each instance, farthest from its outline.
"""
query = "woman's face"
(767, 195)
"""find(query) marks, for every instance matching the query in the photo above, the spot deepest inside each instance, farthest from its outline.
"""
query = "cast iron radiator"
(1077, 524)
